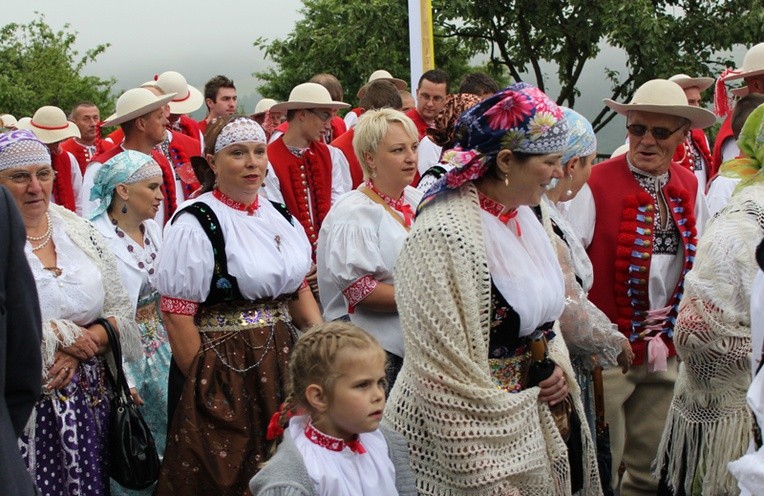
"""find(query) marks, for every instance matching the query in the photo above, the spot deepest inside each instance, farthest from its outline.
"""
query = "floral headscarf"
(582, 141)
(443, 131)
(520, 118)
(751, 142)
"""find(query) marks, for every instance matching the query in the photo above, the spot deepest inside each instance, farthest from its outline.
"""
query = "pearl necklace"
(45, 238)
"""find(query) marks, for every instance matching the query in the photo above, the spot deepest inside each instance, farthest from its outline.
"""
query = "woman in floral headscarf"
(490, 280)
(709, 423)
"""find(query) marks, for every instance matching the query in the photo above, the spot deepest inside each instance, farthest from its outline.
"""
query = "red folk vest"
(299, 175)
(345, 144)
(421, 125)
(622, 247)
(82, 153)
(63, 192)
(724, 132)
(683, 154)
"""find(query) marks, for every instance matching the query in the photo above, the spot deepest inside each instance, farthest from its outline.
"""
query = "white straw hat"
(620, 150)
(8, 120)
(264, 105)
(135, 103)
(662, 96)
(187, 98)
(309, 96)
(753, 64)
(686, 81)
(383, 75)
(50, 125)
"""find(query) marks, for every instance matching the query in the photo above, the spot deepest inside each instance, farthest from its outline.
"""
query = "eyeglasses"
(21, 177)
(659, 133)
(324, 116)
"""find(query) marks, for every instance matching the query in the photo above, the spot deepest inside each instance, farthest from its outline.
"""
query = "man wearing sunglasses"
(640, 220)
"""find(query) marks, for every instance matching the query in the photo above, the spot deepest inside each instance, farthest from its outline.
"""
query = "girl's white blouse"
(267, 255)
(345, 473)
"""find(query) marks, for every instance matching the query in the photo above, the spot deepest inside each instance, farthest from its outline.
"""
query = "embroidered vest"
(63, 192)
(684, 155)
(299, 175)
(622, 247)
(724, 132)
(83, 153)
(345, 144)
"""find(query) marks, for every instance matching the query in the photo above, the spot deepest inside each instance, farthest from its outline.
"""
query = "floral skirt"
(65, 442)
(217, 439)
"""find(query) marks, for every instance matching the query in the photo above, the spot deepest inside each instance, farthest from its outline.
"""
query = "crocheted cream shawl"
(709, 423)
(59, 333)
(465, 435)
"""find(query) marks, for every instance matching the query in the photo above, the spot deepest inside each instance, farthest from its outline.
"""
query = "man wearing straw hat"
(51, 127)
(143, 118)
(309, 174)
(379, 75)
(752, 73)
(638, 221)
(695, 153)
(187, 99)
(86, 116)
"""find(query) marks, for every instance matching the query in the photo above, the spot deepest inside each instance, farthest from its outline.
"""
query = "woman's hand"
(626, 357)
(554, 388)
(136, 397)
(85, 347)
(62, 371)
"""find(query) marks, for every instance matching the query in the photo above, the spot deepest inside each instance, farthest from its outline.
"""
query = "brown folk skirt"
(217, 439)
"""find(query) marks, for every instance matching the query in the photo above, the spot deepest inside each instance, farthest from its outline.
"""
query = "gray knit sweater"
(286, 475)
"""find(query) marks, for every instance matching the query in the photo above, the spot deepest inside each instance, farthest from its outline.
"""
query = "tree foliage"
(39, 66)
(350, 39)
(659, 37)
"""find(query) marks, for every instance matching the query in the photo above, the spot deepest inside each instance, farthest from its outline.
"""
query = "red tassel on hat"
(721, 99)
(156, 77)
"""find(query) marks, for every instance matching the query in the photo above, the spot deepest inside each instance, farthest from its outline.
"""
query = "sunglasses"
(659, 133)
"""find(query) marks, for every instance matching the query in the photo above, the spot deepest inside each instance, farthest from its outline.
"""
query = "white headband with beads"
(240, 130)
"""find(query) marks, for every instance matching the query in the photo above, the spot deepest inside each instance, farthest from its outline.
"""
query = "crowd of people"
(416, 298)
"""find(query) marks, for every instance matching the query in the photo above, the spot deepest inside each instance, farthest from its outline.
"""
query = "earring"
(374, 174)
(124, 208)
(569, 192)
(506, 180)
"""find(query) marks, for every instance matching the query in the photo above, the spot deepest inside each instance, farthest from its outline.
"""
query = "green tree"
(350, 39)
(659, 37)
(39, 66)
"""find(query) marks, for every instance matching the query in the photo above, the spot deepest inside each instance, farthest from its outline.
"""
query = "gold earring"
(506, 180)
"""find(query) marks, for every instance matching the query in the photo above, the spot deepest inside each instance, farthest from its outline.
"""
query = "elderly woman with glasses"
(64, 443)
(476, 278)
(232, 279)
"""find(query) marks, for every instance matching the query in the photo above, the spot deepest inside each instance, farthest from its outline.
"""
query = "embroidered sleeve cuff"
(178, 306)
(359, 290)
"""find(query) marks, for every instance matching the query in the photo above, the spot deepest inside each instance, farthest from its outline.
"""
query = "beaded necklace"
(45, 238)
(144, 256)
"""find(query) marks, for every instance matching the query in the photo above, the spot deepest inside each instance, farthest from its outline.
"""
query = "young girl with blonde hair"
(334, 445)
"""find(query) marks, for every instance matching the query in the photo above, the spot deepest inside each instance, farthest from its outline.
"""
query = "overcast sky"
(194, 37)
(203, 38)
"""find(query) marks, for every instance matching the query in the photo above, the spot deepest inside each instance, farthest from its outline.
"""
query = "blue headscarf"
(128, 167)
(582, 141)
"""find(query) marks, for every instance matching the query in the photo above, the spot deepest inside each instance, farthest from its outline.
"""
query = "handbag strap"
(119, 382)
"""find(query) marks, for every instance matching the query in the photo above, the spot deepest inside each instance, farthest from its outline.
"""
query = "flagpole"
(422, 51)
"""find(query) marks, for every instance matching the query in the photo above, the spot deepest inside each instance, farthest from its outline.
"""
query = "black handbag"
(133, 459)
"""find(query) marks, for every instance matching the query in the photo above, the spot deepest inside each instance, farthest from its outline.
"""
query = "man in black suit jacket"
(20, 360)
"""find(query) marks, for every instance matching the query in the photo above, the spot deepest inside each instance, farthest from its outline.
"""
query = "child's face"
(358, 397)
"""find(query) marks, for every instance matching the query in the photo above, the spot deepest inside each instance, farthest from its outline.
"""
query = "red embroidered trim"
(332, 443)
(303, 285)
(495, 208)
(311, 178)
(178, 306)
(359, 290)
(228, 202)
(398, 205)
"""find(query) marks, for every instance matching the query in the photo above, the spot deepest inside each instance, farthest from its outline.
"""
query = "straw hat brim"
(48, 136)
(702, 83)
(740, 92)
(284, 106)
(399, 83)
(742, 75)
(699, 118)
(115, 119)
(191, 103)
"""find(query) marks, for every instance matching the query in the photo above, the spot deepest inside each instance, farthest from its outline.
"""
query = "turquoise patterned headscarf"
(582, 141)
(127, 167)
